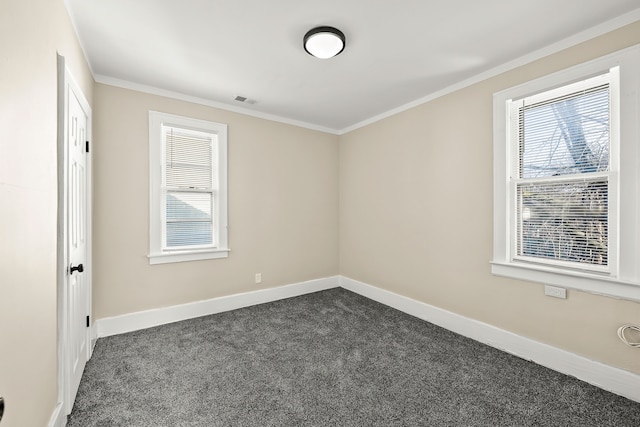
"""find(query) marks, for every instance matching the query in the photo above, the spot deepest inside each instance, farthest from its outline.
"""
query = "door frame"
(66, 83)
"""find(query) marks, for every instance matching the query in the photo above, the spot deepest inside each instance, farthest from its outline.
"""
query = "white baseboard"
(58, 418)
(93, 337)
(615, 380)
(149, 318)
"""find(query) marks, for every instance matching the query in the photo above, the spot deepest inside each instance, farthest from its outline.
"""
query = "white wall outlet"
(554, 291)
(258, 278)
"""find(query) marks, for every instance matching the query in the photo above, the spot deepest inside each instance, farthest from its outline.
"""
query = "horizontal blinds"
(189, 219)
(562, 180)
(188, 159)
(183, 206)
(189, 188)
(565, 221)
(565, 135)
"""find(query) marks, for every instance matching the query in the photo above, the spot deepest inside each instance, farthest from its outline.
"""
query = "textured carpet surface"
(331, 358)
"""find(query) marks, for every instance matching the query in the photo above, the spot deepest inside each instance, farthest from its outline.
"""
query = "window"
(565, 178)
(188, 194)
(561, 175)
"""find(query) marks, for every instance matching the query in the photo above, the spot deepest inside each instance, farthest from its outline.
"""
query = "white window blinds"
(189, 188)
(561, 175)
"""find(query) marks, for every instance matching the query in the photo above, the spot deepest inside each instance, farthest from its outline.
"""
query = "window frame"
(158, 254)
(611, 78)
(622, 279)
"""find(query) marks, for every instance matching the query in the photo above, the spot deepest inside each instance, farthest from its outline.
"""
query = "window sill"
(182, 256)
(582, 281)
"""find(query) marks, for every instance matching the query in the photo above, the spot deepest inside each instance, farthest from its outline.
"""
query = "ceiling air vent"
(244, 99)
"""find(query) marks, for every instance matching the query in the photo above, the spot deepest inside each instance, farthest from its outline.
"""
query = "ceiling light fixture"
(324, 42)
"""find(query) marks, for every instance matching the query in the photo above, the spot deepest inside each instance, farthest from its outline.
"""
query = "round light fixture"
(324, 42)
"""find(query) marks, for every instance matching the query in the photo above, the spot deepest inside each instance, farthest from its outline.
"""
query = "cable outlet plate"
(554, 291)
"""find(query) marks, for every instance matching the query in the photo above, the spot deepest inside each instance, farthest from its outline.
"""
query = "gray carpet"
(331, 358)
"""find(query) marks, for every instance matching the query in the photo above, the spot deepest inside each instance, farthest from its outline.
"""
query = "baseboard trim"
(615, 380)
(93, 337)
(58, 418)
(609, 378)
(146, 319)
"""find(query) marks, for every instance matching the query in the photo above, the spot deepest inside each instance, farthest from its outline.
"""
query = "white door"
(78, 208)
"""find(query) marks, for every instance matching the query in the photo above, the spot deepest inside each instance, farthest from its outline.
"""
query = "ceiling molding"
(574, 40)
(72, 18)
(209, 103)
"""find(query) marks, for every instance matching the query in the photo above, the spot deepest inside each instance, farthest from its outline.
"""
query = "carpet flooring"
(331, 358)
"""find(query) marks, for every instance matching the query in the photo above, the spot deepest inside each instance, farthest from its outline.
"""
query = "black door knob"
(79, 268)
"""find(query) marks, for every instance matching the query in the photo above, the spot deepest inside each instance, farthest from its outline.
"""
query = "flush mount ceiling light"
(324, 42)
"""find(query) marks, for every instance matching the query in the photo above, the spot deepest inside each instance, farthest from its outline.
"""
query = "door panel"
(77, 292)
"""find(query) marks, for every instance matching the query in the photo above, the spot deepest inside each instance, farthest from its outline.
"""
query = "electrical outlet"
(258, 278)
(554, 291)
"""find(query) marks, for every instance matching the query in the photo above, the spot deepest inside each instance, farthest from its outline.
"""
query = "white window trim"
(156, 253)
(623, 281)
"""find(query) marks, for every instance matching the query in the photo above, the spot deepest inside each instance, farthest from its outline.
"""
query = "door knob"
(79, 268)
(1, 408)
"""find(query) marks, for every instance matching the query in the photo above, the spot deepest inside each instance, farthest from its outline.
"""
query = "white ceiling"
(397, 52)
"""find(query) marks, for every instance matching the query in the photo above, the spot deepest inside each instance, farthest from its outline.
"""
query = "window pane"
(566, 135)
(189, 219)
(181, 205)
(565, 221)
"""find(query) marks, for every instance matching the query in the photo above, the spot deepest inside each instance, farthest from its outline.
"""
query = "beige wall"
(31, 32)
(283, 207)
(416, 217)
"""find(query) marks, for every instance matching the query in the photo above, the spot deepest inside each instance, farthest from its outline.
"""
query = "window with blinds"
(561, 175)
(566, 193)
(189, 188)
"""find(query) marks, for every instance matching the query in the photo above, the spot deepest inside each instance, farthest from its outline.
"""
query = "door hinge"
(88, 321)
(87, 146)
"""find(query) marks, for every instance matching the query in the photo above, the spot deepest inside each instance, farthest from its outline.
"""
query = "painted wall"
(31, 32)
(416, 208)
(283, 207)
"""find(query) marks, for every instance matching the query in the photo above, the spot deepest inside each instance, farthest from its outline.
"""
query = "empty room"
(343, 213)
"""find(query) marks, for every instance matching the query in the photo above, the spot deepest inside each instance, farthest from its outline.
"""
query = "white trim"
(182, 256)
(89, 218)
(152, 90)
(73, 20)
(61, 250)
(582, 281)
(624, 280)
(66, 82)
(609, 378)
(615, 380)
(58, 418)
(576, 39)
(150, 318)
(156, 181)
(93, 335)
(598, 30)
